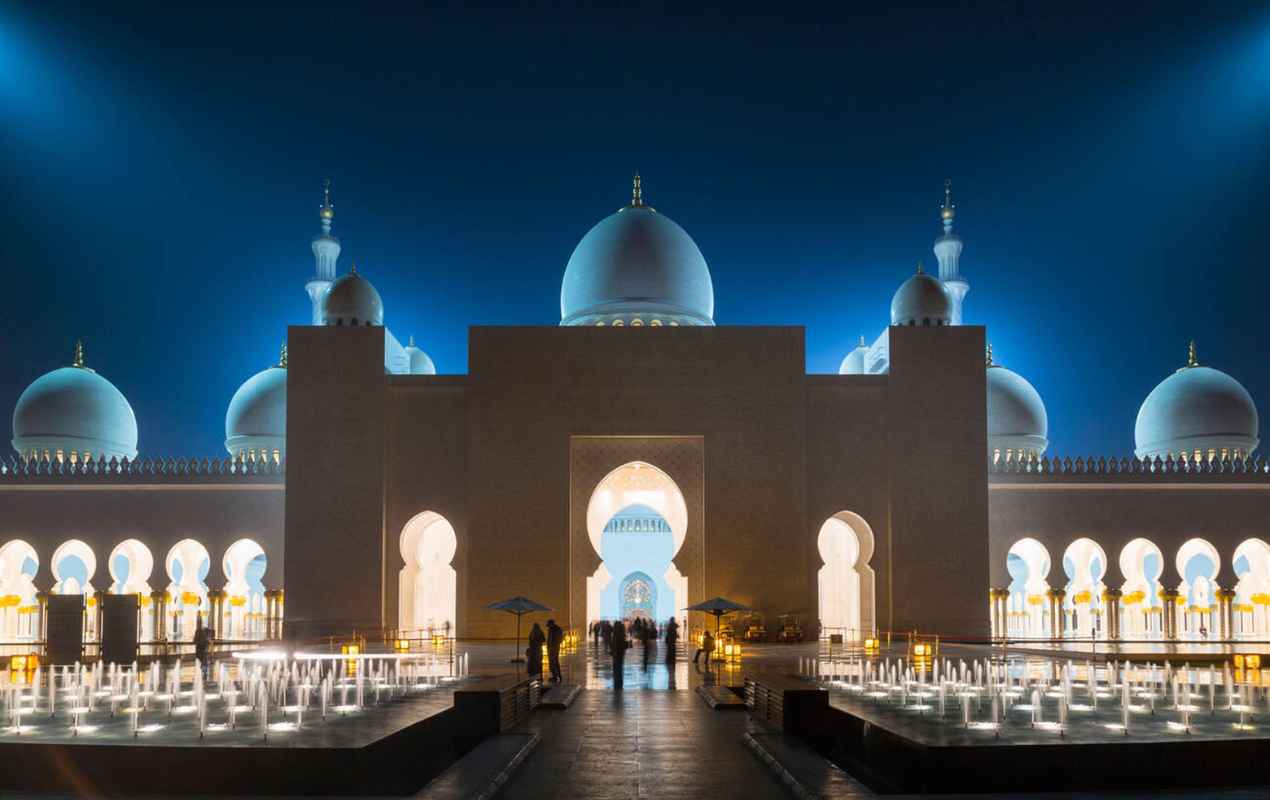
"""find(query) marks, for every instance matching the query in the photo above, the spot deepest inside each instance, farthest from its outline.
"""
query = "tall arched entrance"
(428, 586)
(845, 582)
(636, 505)
(636, 522)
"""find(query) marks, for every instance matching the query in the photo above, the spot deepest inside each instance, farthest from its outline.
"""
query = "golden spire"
(353, 269)
(1191, 359)
(947, 210)
(862, 344)
(990, 362)
(79, 354)
(412, 341)
(282, 357)
(919, 268)
(326, 211)
(637, 194)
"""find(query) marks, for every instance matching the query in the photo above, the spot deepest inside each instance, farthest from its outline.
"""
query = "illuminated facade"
(382, 494)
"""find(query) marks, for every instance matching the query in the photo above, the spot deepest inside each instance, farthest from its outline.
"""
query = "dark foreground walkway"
(641, 744)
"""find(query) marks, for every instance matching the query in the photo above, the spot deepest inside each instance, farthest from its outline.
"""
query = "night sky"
(160, 173)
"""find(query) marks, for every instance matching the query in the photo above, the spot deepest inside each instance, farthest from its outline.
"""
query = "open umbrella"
(519, 606)
(718, 606)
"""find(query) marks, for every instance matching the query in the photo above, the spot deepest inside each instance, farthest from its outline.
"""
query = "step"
(721, 698)
(557, 697)
(807, 774)
(484, 770)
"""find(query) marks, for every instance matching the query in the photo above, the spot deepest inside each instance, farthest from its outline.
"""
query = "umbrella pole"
(516, 653)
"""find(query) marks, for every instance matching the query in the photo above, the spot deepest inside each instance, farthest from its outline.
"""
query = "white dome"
(1017, 422)
(256, 421)
(921, 300)
(74, 410)
(352, 300)
(853, 364)
(420, 363)
(637, 266)
(1197, 410)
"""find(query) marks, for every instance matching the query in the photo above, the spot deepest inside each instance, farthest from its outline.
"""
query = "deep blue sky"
(160, 173)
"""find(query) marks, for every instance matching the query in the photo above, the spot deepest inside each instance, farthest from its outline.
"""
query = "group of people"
(552, 640)
(613, 638)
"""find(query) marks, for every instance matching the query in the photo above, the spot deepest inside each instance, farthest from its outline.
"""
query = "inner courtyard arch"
(428, 583)
(1251, 566)
(188, 564)
(73, 566)
(130, 566)
(1085, 564)
(19, 564)
(1141, 564)
(1198, 563)
(846, 581)
(244, 565)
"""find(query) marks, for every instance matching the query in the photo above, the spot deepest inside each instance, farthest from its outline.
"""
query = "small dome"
(352, 300)
(637, 267)
(1197, 413)
(256, 421)
(75, 412)
(921, 300)
(853, 364)
(420, 363)
(1017, 422)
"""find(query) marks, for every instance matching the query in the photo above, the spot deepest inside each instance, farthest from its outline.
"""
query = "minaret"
(326, 249)
(948, 251)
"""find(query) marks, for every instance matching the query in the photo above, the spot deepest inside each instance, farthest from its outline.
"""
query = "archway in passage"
(428, 584)
(1198, 563)
(845, 581)
(244, 565)
(1085, 563)
(1251, 565)
(637, 521)
(188, 564)
(19, 564)
(73, 565)
(1141, 564)
(638, 597)
(1028, 563)
(130, 565)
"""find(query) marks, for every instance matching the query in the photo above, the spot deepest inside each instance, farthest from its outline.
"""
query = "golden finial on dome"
(282, 357)
(326, 211)
(352, 270)
(637, 193)
(920, 271)
(988, 354)
(947, 210)
(1191, 359)
(412, 341)
(862, 344)
(79, 354)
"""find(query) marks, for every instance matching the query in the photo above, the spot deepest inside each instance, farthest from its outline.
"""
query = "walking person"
(672, 640)
(555, 637)
(534, 653)
(619, 646)
(707, 647)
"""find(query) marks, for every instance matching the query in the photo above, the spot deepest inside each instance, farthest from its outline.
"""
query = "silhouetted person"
(595, 631)
(672, 640)
(707, 647)
(555, 637)
(534, 653)
(619, 652)
(606, 635)
(202, 644)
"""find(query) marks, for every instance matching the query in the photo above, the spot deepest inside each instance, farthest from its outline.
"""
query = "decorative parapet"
(1133, 469)
(142, 470)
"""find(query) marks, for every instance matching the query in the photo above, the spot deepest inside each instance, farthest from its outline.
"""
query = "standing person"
(202, 644)
(646, 639)
(555, 637)
(534, 653)
(672, 640)
(595, 631)
(619, 652)
(606, 635)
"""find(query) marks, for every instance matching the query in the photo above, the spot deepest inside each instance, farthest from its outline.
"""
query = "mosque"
(382, 494)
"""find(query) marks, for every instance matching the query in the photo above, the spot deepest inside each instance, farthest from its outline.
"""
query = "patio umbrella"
(718, 606)
(519, 606)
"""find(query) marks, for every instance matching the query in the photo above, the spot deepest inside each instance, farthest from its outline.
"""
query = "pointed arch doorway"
(661, 475)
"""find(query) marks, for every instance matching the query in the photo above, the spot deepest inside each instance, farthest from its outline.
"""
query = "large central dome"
(637, 267)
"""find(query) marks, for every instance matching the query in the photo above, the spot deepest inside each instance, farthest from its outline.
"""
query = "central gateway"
(662, 475)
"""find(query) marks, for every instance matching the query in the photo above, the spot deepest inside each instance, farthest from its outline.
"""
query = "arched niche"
(1142, 565)
(1028, 562)
(73, 566)
(1085, 564)
(428, 583)
(845, 580)
(244, 565)
(187, 564)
